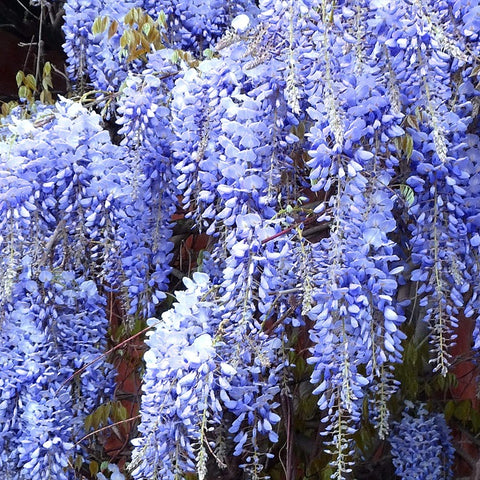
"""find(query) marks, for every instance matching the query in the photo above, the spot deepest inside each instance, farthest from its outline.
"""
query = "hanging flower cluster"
(196, 25)
(437, 131)
(187, 368)
(181, 370)
(53, 319)
(421, 445)
(144, 225)
(236, 167)
(135, 28)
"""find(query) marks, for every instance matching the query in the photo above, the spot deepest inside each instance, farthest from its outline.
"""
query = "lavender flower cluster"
(422, 445)
(96, 60)
(53, 318)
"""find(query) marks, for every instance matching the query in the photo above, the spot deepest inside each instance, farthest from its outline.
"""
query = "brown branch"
(107, 427)
(103, 355)
(307, 221)
(58, 232)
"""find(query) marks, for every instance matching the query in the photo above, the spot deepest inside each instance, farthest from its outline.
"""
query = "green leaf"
(112, 30)
(162, 19)
(119, 412)
(19, 78)
(475, 418)
(46, 97)
(100, 415)
(96, 418)
(408, 146)
(463, 410)
(99, 25)
(175, 56)
(8, 107)
(411, 121)
(87, 423)
(146, 28)
(78, 462)
(47, 69)
(208, 53)
(47, 83)
(24, 92)
(30, 82)
(126, 38)
(301, 130)
(475, 71)
(135, 16)
(411, 353)
(408, 194)
(449, 410)
(327, 473)
(93, 467)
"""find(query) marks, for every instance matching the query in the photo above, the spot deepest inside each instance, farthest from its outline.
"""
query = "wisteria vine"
(330, 153)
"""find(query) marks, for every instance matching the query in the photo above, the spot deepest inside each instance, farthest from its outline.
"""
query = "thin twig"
(288, 230)
(27, 10)
(29, 45)
(58, 232)
(99, 430)
(40, 44)
(103, 355)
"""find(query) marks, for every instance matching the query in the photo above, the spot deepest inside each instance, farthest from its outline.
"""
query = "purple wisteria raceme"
(98, 57)
(53, 317)
(437, 65)
(422, 445)
(181, 384)
(28, 404)
(356, 332)
(44, 340)
(67, 169)
(101, 55)
(79, 18)
(144, 224)
(196, 24)
(235, 174)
